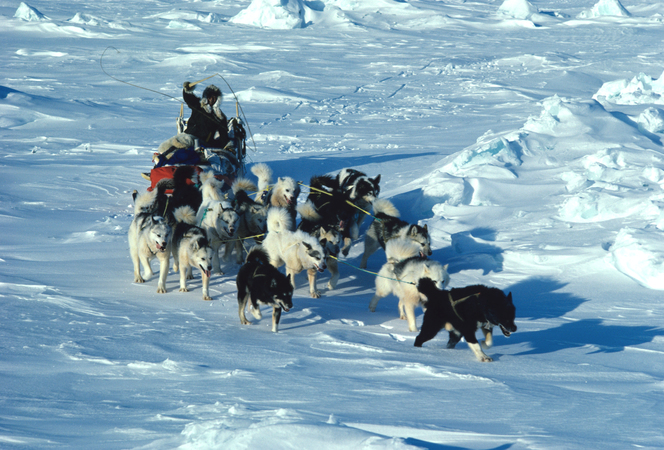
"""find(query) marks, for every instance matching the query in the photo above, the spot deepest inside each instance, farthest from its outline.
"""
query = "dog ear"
(413, 230)
(426, 228)
(509, 297)
(376, 180)
(307, 245)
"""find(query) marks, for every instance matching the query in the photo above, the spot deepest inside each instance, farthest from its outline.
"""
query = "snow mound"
(652, 120)
(641, 89)
(517, 9)
(639, 254)
(605, 8)
(28, 13)
(239, 427)
(274, 14)
(490, 160)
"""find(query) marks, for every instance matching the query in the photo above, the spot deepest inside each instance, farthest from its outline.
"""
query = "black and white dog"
(461, 311)
(361, 191)
(259, 282)
(387, 225)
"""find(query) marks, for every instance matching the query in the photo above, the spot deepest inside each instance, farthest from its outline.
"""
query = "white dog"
(400, 274)
(191, 249)
(149, 237)
(296, 249)
(283, 193)
(220, 222)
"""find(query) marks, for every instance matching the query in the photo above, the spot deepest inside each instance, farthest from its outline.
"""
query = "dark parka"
(206, 120)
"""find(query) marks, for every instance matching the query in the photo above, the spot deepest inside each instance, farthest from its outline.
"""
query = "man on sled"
(207, 138)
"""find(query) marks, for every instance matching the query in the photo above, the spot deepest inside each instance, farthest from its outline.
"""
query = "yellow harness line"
(372, 273)
(347, 201)
(456, 302)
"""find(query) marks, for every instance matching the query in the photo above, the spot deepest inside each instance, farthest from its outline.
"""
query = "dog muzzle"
(507, 332)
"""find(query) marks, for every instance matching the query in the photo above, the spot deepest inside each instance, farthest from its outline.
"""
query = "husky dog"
(259, 282)
(462, 311)
(149, 237)
(361, 191)
(220, 221)
(329, 236)
(387, 225)
(283, 193)
(211, 187)
(253, 218)
(191, 249)
(400, 274)
(296, 249)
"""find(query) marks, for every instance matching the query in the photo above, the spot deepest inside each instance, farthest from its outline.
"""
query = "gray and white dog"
(191, 249)
(296, 249)
(387, 226)
(400, 274)
(149, 237)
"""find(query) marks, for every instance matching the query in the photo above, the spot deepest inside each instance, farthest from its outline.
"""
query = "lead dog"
(149, 237)
(387, 226)
(462, 311)
(259, 282)
(296, 249)
(191, 249)
(400, 274)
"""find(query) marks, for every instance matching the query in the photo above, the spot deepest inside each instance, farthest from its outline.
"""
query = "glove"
(187, 85)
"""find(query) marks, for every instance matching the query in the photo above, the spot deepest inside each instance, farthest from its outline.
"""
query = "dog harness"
(456, 302)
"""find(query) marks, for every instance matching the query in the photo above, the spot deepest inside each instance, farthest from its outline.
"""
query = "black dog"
(261, 283)
(462, 311)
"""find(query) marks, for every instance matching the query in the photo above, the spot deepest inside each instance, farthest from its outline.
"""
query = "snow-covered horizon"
(527, 136)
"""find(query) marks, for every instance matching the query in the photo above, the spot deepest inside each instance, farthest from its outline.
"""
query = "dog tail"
(146, 202)
(243, 184)
(211, 189)
(185, 214)
(257, 256)
(399, 249)
(308, 212)
(278, 219)
(264, 175)
(384, 206)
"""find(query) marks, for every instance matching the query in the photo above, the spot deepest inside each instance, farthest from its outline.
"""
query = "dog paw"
(161, 290)
(486, 358)
(315, 294)
(207, 298)
(184, 289)
(139, 280)
(245, 322)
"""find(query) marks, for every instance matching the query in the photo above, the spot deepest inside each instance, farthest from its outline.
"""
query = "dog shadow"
(436, 446)
(598, 337)
(538, 298)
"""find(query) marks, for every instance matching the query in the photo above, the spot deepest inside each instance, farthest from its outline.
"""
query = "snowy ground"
(527, 136)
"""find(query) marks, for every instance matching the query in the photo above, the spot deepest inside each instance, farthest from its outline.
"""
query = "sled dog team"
(197, 220)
